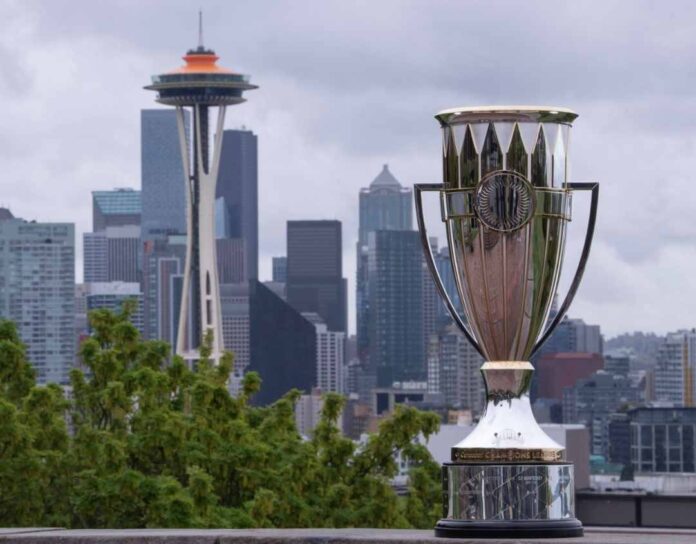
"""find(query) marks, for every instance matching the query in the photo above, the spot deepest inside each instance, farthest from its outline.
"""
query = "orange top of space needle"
(200, 81)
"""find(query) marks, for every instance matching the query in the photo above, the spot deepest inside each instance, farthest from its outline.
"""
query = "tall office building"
(315, 270)
(330, 356)
(443, 263)
(162, 173)
(163, 269)
(280, 269)
(112, 254)
(675, 373)
(384, 205)
(113, 295)
(231, 260)
(574, 336)
(282, 345)
(115, 208)
(94, 260)
(37, 291)
(237, 192)
(395, 281)
(236, 328)
(112, 251)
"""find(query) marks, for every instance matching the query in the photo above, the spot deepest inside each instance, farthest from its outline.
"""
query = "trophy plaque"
(505, 201)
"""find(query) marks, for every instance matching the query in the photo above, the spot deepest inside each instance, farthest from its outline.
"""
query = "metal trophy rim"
(420, 188)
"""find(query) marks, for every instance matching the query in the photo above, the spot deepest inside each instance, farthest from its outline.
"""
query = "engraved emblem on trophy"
(506, 201)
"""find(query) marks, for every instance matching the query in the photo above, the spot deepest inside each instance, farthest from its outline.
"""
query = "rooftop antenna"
(200, 29)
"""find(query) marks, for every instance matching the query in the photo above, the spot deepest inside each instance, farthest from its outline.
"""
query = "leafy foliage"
(144, 442)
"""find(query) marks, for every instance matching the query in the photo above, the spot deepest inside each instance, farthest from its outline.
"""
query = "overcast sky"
(349, 85)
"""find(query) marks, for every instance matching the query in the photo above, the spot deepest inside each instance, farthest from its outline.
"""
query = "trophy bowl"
(505, 201)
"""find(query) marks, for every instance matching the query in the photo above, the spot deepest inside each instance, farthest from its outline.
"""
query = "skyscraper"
(395, 281)
(237, 190)
(384, 205)
(162, 278)
(37, 291)
(675, 373)
(201, 85)
(314, 271)
(282, 345)
(162, 173)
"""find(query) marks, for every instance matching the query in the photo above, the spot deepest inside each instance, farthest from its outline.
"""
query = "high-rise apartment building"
(37, 291)
(675, 373)
(384, 205)
(315, 280)
(395, 280)
(330, 356)
(162, 174)
(237, 192)
(459, 370)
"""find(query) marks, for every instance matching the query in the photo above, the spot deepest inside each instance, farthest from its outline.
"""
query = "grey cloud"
(347, 86)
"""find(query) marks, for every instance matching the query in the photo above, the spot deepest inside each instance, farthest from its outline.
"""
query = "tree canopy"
(142, 441)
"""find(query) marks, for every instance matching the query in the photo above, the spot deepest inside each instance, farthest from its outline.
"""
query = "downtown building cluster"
(636, 398)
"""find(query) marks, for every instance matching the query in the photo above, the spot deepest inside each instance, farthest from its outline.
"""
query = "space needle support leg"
(184, 309)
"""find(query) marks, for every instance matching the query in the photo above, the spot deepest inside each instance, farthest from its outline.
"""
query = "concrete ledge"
(593, 535)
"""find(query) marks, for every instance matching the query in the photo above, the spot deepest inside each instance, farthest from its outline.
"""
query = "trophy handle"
(589, 235)
(419, 188)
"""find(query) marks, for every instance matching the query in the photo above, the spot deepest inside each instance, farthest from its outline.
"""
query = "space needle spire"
(203, 86)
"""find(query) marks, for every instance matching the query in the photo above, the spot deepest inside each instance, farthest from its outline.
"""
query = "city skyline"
(638, 277)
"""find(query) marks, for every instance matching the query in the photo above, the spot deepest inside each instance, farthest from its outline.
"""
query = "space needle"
(203, 86)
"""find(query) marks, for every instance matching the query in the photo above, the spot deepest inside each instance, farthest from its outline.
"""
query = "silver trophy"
(505, 202)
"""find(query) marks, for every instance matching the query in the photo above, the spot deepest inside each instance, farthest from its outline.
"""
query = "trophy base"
(483, 500)
(451, 528)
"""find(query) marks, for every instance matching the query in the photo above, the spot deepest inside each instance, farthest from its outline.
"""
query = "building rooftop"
(118, 201)
(385, 179)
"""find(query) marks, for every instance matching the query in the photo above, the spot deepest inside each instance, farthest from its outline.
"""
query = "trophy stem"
(507, 477)
(507, 432)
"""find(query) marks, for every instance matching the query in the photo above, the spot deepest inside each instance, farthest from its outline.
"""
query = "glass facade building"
(384, 205)
(115, 208)
(237, 202)
(282, 345)
(395, 281)
(315, 270)
(37, 292)
(162, 174)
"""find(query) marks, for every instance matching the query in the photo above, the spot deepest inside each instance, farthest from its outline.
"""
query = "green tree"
(153, 443)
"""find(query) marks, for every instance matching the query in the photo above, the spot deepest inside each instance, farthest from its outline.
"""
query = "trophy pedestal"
(508, 500)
